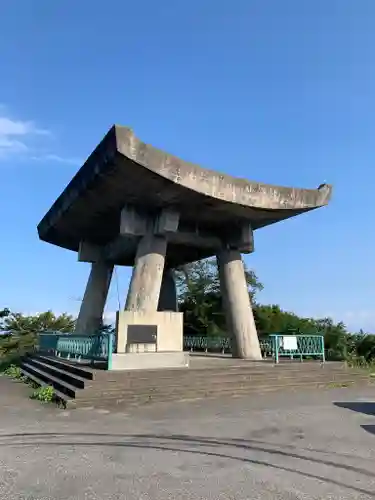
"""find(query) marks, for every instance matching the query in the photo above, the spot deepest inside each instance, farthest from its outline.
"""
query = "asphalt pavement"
(318, 444)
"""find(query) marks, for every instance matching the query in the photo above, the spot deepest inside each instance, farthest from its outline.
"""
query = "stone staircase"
(79, 385)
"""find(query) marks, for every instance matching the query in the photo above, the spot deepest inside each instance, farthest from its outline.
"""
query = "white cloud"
(109, 317)
(10, 146)
(23, 139)
(14, 128)
(57, 159)
(16, 136)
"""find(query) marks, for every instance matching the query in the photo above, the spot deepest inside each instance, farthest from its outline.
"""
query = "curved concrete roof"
(122, 169)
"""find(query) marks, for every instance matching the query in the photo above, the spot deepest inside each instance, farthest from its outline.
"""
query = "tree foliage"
(199, 295)
(200, 299)
(18, 324)
(272, 319)
(198, 288)
(19, 331)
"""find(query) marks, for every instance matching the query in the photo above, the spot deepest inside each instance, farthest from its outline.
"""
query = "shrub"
(46, 394)
(13, 371)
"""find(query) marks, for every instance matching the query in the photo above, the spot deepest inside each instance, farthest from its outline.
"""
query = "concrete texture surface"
(237, 305)
(124, 170)
(90, 317)
(313, 445)
(147, 275)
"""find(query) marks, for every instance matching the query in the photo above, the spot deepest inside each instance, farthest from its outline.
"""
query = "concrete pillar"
(168, 292)
(145, 284)
(236, 301)
(90, 317)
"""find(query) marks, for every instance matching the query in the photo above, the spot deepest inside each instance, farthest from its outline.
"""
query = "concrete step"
(64, 375)
(68, 390)
(124, 401)
(189, 374)
(253, 379)
(193, 380)
(82, 386)
(72, 367)
(41, 383)
(104, 390)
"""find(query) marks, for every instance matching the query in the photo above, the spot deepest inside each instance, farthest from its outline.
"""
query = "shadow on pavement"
(369, 428)
(229, 450)
(365, 407)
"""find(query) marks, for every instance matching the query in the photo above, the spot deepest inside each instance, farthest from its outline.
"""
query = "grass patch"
(45, 394)
(8, 361)
(10, 367)
(14, 372)
(361, 362)
(339, 385)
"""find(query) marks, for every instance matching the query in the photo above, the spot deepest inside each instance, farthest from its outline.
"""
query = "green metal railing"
(304, 346)
(218, 344)
(273, 345)
(99, 347)
(221, 344)
(96, 347)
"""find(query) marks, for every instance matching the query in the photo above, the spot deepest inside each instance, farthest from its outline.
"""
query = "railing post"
(110, 348)
(276, 341)
(58, 354)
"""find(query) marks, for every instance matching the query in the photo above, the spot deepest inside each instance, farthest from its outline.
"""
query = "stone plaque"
(142, 334)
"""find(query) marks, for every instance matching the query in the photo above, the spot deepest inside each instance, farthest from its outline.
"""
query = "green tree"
(198, 287)
(19, 331)
(4, 312)
(272, 319)
(335, 337)
(361, 346)
(200, 299)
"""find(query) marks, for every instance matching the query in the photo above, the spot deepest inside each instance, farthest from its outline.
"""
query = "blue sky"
(279, 92)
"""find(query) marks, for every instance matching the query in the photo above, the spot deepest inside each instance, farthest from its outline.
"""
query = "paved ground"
(317, 445)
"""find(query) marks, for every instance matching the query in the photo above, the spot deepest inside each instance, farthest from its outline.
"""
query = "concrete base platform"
(150, 360)
(142, 378)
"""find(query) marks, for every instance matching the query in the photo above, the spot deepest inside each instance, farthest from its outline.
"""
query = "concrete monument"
(134, 205)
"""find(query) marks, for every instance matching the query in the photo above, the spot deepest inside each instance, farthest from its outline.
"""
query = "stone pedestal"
(146, 280)
(163, 329)
(149, 340)
(150, 361)
(236, 301)
(90, 317)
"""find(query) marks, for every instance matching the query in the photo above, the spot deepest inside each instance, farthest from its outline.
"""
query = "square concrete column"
(146, 280)
(236, 301)
(90, 317)
(168, 292)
